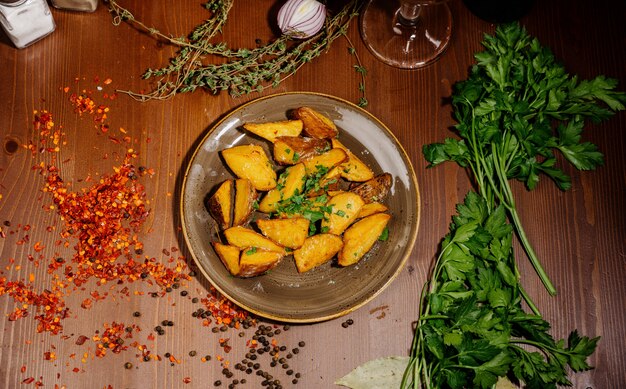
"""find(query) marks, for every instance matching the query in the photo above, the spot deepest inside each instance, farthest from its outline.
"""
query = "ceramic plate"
(328, 291)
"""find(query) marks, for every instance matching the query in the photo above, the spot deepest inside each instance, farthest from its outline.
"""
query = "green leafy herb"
(384, 236)
(237, 71)
(515, 111)
(311, 208)
(251, 251)
(472, 328)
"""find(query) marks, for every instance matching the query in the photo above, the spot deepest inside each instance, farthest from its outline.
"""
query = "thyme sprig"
(244, 70)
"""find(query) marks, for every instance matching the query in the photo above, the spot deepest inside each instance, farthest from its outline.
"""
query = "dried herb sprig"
(245, 70)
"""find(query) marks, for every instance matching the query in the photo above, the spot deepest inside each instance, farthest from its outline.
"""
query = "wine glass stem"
(408, 13)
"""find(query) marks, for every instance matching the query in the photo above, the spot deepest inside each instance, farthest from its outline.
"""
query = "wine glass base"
(402, 44)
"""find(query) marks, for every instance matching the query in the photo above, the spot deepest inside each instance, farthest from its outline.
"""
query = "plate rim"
(411, 241)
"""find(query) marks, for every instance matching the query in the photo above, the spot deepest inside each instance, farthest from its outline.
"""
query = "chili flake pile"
(105, 219)
(50, 306)
(102, 224)
(112, 339)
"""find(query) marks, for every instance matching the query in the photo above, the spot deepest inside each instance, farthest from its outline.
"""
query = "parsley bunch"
(515, 111)
(472, 327)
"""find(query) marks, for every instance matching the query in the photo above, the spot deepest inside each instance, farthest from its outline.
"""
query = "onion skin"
(301, 18)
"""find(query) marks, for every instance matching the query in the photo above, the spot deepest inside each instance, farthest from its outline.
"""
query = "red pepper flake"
(49, 356)
(81, 340)
(28, 380)
(23, 369)
(39, 246)
(86, 304)
(186, 380)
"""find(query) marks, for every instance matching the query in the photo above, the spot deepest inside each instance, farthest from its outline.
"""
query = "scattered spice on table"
(101, 225)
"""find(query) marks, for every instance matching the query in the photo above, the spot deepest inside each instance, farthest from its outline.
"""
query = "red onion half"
(301, 18)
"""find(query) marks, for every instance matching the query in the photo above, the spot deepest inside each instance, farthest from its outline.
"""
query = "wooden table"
(580, 235)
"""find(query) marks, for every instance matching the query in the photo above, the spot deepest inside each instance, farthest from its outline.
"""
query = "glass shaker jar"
(76, 5)
(26, 21)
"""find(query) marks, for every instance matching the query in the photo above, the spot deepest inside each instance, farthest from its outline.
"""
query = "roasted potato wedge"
(220, 204)
(360, 238)
(254, 262)
(243, 237)
(333, 193)
(289, 150)
(229, 255)
(353, 169)
(328, 160)
(286, 232)
(370, 209)
(251, 162)
(374, 190)
(245, 196)
(289, 183)
(316, 250)
(316, 125)
(344, 209)
(272, 130)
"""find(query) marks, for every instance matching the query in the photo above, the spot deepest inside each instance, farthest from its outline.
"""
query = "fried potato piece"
(289, 150)
(316, 250)
(344, 209)
(353, 169)
(360, 238)
(370, 209)
(254, 262)
(251, 162)
(220, 204)
(245, 196)
(287, 232)
(243, 237)
(289, 183)
(374, 190)
(328, 160)
(272, 130)
(229, 255)
(316, 125)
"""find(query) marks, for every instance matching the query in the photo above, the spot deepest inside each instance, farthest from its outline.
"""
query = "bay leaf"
(375, 374)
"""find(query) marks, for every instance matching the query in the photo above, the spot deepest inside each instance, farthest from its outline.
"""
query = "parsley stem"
(509, 203)
(531, 253)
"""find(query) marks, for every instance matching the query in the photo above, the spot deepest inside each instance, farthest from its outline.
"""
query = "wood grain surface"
(579, 235)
